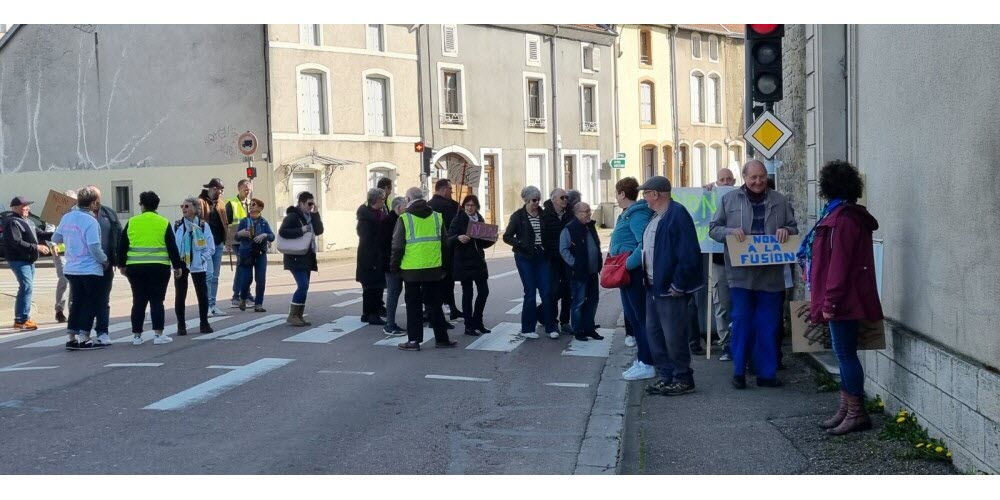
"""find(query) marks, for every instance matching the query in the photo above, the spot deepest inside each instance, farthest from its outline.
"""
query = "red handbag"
(614, 274)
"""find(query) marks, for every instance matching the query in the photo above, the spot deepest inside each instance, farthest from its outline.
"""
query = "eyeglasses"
(311, 204)
(533, 200)
(564, 197)
(185, 206)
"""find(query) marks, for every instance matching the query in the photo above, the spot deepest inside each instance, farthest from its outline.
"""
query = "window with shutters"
(715, 160)
(588, 101)
(377, 110)
(648, 162)
(376, 37)
(695, 46)
(309, 34)
(452, 97)
(714, 99)
(312, 102)
(533, 50)
(697, 98)
(735, 158)
(713, 48)
(535, 102)
(378, 171)
(449, 39)
(698, 158)
(645, 47)
(647, 101)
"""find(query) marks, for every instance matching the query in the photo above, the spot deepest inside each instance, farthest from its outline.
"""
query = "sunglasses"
(534, 200)
(311, 204)
(564, 197)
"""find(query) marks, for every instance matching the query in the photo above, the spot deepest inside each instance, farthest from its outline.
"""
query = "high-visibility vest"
(239, 211)
(423, 242)
(147, 239)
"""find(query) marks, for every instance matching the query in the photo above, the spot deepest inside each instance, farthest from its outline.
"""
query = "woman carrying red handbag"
(626, 240)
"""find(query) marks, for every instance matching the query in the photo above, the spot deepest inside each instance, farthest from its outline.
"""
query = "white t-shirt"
(79, 230)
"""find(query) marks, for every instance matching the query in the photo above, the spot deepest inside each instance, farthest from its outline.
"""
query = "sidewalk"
(721, 430)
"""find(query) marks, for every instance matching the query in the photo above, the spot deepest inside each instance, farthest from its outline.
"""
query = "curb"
(602, 442)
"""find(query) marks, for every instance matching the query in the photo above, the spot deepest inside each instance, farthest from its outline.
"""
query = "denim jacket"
(260, 226)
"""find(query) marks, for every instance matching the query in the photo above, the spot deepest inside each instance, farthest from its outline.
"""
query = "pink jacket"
(842, 276)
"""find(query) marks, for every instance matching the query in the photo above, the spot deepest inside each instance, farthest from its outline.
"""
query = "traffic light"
(251, 173)
(763, 46)
(428, 155)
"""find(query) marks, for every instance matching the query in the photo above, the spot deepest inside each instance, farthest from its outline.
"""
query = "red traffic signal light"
(763, 29)
(251, 172)
(418, 147)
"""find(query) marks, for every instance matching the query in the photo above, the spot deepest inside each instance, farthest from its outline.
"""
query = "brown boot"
(857, 418)
(295, 315)
(838, 417)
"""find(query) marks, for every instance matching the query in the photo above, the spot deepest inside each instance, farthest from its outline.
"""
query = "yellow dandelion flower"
(900, 420)
(920, 445)
(881, 404)
(948, 455)
(939, 449)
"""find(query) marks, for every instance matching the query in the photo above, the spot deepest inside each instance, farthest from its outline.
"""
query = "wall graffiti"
(223, 141)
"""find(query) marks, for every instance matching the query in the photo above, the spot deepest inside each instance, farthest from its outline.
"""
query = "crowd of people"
(420, 248)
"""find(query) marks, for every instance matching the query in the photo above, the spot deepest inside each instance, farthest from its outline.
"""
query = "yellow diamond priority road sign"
(767, 135)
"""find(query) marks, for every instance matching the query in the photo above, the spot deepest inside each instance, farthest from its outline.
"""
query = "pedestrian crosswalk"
(505, 337)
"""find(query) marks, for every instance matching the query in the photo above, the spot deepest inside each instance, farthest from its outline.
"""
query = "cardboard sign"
(56, 205)
(482, 231)
(702, 205)
(812, 337)
(762, 250)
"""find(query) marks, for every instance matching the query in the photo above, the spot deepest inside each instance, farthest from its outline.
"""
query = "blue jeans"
(394, 287)
(534, 272)
(585, 293)
(245, 275)
(756, 318)
(25, 274)
(634, 306)
(213, 274)
(844, 335)
(666, 329)
(301, 286)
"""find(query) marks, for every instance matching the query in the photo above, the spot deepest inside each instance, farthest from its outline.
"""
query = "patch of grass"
(904, 427)
(875, 406)
(825, 382)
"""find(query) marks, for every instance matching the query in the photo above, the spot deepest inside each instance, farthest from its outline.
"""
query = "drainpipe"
(614, 68)
(420, 106)
(673, 108)
(269, 171)
(555, 117)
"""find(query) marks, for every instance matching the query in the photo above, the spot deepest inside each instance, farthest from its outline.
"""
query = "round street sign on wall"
(247, 143)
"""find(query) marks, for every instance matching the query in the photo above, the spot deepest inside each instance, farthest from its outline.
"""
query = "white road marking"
(395, 341)
(192, 326)
(19, 367)
(567, 384)
(348, 302)
(249, 328)
(10, 337)
(503, 275)
(520, 307)
(223, 367)
(505, 337)
(118, 327)
(133, 365)
(218, 385)
(452, 377)
(330, 331)
(592, 348)
(338, 293)
(347, 372)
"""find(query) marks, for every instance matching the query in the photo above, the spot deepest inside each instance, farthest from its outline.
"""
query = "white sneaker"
(162, 339)
(630, 370)
(529, 335)
(553, 335)
(629, 341)
(233, 304)
(137, 340)
(642, 372)
(215, 311)
(103, 339)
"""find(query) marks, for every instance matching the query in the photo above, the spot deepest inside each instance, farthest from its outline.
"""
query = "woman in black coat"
(301, 221)
(371, 265)
(469, 264)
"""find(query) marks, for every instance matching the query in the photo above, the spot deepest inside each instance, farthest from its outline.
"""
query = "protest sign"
(815, 337)
(762, 250)
(482, 231)
(56, 205)
(702, 204)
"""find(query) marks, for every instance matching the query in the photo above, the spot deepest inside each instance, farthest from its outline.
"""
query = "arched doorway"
(441, 169)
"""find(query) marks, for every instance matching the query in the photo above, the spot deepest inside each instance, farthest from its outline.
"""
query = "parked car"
(39, 223)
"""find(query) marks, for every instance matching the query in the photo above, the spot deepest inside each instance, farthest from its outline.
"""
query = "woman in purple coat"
(839, 265)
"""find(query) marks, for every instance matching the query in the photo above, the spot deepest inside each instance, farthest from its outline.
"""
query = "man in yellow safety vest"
(418, 244)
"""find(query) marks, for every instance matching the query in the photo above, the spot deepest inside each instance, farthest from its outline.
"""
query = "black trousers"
(371, 301)
(474, 316)
(149, 288)
(200, 291)
(85, 302)
(447, 292)
(420, 295)
(104, 309)
(563, 300)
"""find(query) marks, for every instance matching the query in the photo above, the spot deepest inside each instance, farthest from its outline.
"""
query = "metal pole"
(708, 312)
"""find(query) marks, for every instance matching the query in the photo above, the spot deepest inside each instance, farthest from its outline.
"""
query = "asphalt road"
(260, 397)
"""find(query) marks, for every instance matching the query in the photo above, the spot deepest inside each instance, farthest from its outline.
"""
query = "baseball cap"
(656, 183)
(20, 201)
(215, 183)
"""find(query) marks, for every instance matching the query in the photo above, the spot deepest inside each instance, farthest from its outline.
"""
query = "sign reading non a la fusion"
(762, 250)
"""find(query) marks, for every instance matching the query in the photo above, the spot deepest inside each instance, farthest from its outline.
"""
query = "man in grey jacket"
(757, 292)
